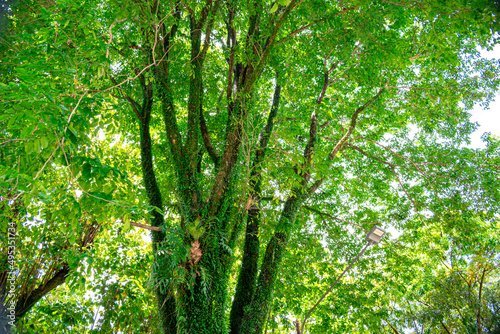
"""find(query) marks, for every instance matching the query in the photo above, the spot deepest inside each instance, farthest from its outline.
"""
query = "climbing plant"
(258, 142)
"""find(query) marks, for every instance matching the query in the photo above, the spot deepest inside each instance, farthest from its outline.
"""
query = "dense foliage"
(258, 142)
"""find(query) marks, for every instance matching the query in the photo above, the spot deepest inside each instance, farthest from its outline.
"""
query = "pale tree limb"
(405, 158)
(7, 140)
(111, 33)
(343, 140)
(393, 328)
(332, 217)
(404, 189)
(293, 33)
(147, 227)
(331, 287)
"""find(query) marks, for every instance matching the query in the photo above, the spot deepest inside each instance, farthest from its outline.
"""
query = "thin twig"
(147, 227)
(7, 140)
(333, 217)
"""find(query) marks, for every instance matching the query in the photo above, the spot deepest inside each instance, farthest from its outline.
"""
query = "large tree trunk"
(165, 300)
(256, 314)
(200, 299)
(245, 287)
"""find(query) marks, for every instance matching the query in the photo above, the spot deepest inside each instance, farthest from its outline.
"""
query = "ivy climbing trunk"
(216, 141)
(249, 268)
(165, 300)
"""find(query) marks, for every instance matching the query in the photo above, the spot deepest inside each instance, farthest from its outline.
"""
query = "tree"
(272, 121)
(457, 292)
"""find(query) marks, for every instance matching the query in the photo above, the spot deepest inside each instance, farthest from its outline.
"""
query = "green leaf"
(196, 229)
(126, 221)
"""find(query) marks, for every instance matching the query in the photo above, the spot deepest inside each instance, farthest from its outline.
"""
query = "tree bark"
(165, 300)
(255, 316)
(26, 302)
(249, 269)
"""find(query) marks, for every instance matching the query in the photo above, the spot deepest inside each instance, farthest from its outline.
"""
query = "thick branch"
(147, 227)
(135, 106)
(169, 114)
(54, 276)
(196, 82)
(479, 329)
(295, 32)
(237, 114)
(166, 305)
(393, 328)
(255, 316)
(231, 42)
(343, 140)
(210, 25)
(206, 140)
(235, 122)
(331, 216)
(26, 301)
(445, 328)
(249, 267)
(148, 175)
(254, 73)
(313, 134)
(265, 134)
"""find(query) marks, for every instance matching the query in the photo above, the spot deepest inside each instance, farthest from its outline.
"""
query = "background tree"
(288, 123)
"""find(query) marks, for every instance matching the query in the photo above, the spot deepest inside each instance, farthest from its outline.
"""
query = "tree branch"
(252, 76)
(393, 328)
(308, 150)
(27, 301)
(135, 106)
(249, 268)
(405, 158)
(206, 140)
(370, 156)
(404, 189)
(208, 31)
(293, 33)
(7, 140)
(165, 95)
(147, 227)
(52, 279)
(354, 119)
(330, 216)
(343, 140)
(479, 329)
(445, 328)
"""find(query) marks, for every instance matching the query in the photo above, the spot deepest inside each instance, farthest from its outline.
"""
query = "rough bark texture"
(249, 269)
(199, 304)
(256, 314)
(26, 302)
(165, 300)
